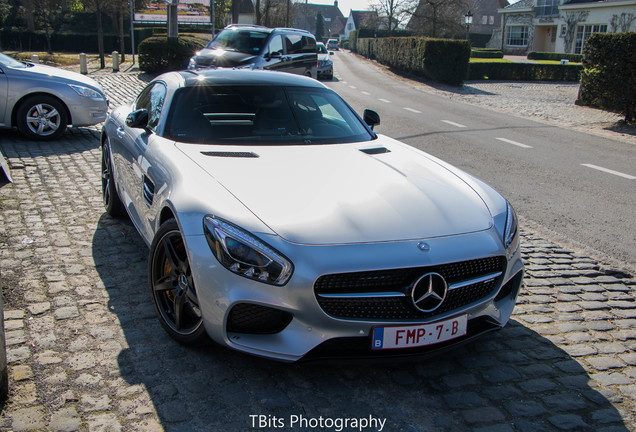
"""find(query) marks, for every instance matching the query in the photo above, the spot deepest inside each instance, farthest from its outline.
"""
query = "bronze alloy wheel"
(172, 287)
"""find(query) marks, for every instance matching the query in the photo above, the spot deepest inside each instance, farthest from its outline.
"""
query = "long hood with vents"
(375, 191)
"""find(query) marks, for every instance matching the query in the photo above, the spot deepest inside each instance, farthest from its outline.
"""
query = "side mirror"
(138, 119)
(275, 54)
(371, 118)
(331, 53)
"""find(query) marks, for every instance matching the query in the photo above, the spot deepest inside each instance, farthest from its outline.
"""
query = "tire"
(42, 118)
(172, 288)
(112, 203)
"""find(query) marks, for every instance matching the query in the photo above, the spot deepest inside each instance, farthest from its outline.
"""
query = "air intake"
(231, 154)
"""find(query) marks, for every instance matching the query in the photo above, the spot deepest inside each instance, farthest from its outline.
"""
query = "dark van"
(251, 46)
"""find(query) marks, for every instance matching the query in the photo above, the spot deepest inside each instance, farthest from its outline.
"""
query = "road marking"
(366, 93)
(518, 144)
(413, 110)
(384, 100)
(453, 124)
(609, 171)
(353, 87)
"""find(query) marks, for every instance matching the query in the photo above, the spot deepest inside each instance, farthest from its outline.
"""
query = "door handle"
(120, 132)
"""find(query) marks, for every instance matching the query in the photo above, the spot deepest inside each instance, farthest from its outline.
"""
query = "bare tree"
(622, 23)
(571, 21)
(437, 18)
(394, 11)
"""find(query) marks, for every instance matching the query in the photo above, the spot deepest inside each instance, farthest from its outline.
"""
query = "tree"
(394, 11)
(439, 18)
(571, 21)
(320, 27)
(48, 16)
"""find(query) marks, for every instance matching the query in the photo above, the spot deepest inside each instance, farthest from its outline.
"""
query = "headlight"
(192, 64)
(511, 232)
(87, 92)
(243, 254)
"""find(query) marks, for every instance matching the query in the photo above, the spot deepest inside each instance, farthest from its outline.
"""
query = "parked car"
(41, 101)
(325, 64)
(333, 44)
(257, 47)
(281, 225)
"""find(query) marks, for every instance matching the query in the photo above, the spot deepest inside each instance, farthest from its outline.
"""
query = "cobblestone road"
(86, 352)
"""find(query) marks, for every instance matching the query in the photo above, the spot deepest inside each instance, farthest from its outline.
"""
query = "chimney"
(335, 3)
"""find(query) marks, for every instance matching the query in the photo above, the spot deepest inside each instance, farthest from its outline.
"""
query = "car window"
(246, 41)
(322, 49)
(275, 45)
(152, 99)
(297, 44)
(267, 115)
(11, 62)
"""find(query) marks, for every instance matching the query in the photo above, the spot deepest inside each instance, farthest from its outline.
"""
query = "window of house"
(547, 8)
(491, 21)
(517, 36)
(349, 26)
(484, 20)
(583, 32)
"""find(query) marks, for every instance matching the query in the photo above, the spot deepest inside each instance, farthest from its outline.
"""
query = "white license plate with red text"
(419, 335)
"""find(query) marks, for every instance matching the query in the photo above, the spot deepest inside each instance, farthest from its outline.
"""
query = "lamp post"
(469, 20)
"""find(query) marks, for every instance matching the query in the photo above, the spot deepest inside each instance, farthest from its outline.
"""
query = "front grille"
(257, 319)
(400, 281)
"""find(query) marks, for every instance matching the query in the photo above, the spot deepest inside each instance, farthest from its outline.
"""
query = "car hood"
(346, 193)
(47, 73)
(222, 58)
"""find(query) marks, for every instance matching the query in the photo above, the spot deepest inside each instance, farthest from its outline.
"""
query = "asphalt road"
(576, 187)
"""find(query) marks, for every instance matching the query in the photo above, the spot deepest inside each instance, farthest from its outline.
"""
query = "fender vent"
(375, 151)
(231, 154)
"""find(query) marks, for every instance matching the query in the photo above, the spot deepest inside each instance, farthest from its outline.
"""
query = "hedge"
(160, 54)
(524, 72)
(536, 55)
(14, 39)
(609, 76)
(441, 60)
(486, 53)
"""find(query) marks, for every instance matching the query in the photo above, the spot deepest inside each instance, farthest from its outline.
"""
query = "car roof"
(227, 76)
(267, 29)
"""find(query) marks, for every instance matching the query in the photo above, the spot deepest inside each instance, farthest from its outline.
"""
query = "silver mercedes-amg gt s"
(281, 225)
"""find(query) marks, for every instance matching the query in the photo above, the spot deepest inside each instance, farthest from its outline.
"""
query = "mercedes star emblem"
(429, 292)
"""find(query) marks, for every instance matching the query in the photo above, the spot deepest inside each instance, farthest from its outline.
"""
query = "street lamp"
(469, 20)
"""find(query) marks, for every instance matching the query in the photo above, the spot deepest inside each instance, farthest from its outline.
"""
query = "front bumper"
(309, 330)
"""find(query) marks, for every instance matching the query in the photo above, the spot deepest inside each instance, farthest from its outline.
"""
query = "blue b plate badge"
(419, 335)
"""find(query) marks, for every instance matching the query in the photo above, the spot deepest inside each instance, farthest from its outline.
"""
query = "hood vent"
(376, 150)
(230, 154)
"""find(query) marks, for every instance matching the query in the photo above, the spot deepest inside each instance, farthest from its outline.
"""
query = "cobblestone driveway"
(86, 352)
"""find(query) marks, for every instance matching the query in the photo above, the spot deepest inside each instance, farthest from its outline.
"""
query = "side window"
(294, 44)
(309, 45)
(152, 99)
(275, 45)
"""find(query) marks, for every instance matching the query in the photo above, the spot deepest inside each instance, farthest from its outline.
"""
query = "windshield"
(11, 62)
(322, 49)
(245, 41)
(269, 115)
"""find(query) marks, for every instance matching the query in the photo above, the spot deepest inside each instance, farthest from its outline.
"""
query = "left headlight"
(87, 92)
(511, 232)
(243, 254)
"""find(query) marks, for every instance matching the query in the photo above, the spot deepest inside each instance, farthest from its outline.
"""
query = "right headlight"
(244, 254)
(192, 64)
(511, 232)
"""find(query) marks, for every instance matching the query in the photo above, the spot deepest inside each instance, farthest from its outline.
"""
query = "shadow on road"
(514, 377)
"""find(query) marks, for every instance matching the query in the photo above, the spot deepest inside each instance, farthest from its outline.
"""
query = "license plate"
(419, 335)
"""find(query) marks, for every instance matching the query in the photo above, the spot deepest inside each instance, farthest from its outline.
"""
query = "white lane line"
(366, 93)
(518, 144)
(385, 100)
(353, 87)
(609, 171)
(413, 110)
(453, 124)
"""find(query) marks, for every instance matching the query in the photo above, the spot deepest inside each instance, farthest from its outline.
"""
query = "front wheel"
(41, 117)
(112, 202)
(172, 289)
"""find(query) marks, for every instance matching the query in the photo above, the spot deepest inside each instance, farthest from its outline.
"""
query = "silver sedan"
(41, 101)
(281, 225)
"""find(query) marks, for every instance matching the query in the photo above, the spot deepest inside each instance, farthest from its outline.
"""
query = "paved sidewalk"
(86, 352)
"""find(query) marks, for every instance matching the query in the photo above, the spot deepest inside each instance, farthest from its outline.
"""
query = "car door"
(274, 57)
(301, 51)
(5, 122)
(133, 162)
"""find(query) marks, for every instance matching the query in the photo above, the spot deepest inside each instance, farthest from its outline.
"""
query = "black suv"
(257, 47)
